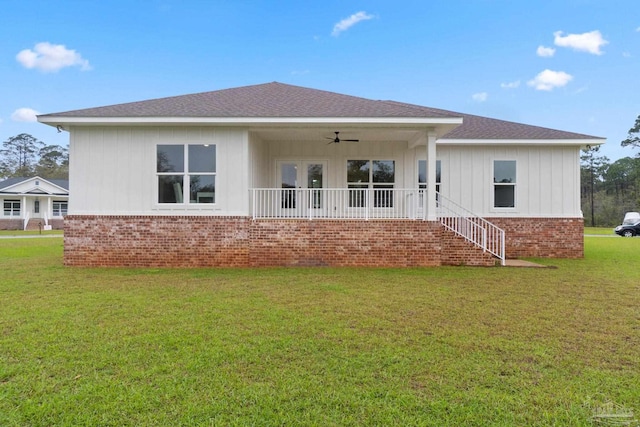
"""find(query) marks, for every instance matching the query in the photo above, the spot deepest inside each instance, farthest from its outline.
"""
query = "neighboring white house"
(33, 203)
(275, 174)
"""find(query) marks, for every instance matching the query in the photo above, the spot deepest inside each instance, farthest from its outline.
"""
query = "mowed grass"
(317, 346)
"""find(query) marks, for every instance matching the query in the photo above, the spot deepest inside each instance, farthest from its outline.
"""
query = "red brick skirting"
(543, 237)
(191, 241)
(194, 241)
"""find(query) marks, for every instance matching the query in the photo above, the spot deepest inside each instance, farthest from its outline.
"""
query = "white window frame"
(186, 175)
(495, 184)
(373, 185)
(59, 211)
(13, 203)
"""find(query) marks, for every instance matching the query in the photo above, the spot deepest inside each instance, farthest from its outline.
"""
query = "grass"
(19, 233)
(599, 231)
(317, 346)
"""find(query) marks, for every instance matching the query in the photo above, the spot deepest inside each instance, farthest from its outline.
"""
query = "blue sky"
(565, 64)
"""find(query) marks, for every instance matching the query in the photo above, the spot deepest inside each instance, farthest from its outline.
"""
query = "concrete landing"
(522, 263)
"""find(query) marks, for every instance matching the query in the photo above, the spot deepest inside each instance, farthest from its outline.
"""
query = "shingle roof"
(264, 100)
(64, 183)
(278, 100)
(478, 127)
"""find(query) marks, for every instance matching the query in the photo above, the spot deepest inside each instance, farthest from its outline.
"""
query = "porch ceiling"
(321, 134)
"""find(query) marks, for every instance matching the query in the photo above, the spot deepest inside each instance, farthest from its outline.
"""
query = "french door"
(301, 184)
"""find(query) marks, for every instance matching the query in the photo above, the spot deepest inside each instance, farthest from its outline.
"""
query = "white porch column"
(431, 177)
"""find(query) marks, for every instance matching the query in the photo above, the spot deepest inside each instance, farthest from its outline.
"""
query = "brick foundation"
(18, 224)
(11, 224)
(150, 241)
(542, 237)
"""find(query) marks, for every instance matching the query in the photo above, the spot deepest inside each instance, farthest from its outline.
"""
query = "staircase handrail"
(473, 228)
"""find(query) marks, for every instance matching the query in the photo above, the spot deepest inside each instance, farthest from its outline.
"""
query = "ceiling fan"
(337, 139)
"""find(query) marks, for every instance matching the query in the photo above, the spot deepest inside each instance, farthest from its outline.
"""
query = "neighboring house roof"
(278, 100)
(5, 186)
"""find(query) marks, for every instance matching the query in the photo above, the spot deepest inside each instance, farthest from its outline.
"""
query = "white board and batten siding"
(113, 170)
(547, 179)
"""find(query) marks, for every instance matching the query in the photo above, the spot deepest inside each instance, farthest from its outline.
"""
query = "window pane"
(170, 158)
(203, 188)
(357, 170)
(384, 171)
(422, 172)
(202, 158)
(504, 196)
(504, 171)
(170, 189)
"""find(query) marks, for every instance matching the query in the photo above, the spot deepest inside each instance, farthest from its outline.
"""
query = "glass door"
(301, 184)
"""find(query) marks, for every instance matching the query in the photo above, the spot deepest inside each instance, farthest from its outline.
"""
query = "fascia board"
(247, 121)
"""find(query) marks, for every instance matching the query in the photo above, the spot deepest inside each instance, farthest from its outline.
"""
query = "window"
(36, 206)
(12, 208)
(186, 173)
(504, 183)
(422, 174)
(60, 208)
(378, 175)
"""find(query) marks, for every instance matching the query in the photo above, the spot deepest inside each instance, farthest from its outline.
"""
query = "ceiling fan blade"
(350, 140)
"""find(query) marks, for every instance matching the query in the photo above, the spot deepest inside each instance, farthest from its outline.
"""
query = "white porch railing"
(374, 203)
(25, 221)
(334, 203)
(473, 228)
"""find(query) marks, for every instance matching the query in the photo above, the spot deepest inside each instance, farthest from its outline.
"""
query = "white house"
(34, 203)
(275, 174)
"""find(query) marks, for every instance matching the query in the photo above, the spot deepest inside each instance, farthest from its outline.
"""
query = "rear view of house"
(275, 174)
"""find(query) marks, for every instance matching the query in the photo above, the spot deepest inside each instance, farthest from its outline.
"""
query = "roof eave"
(239, 121)
(532, 141)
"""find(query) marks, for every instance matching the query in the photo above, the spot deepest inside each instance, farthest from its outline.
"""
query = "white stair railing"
(476, 230)
(25, 221)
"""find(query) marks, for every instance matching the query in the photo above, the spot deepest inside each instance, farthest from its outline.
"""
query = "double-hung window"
(366, 175)
(60, 208)
(186, 173)
(504, 183)
(11, 208)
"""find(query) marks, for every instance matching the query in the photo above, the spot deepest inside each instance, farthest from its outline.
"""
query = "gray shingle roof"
(264, 100)
(278, 100)
(64, 183)
(478, 127)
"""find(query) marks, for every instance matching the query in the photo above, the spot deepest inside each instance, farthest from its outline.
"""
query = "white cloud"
(638, 29)
(586, 42)
(49, 57)
(545, 52)
(549, 80)
(480, 96)
(626, 55)
(349, 22)
(510, 85)
(24, 115)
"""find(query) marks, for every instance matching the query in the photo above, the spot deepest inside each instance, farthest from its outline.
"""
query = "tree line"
(25, 156)
(609, 189)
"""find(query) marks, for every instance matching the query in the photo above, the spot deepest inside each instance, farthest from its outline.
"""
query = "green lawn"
(599, 231)
(317, 346)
